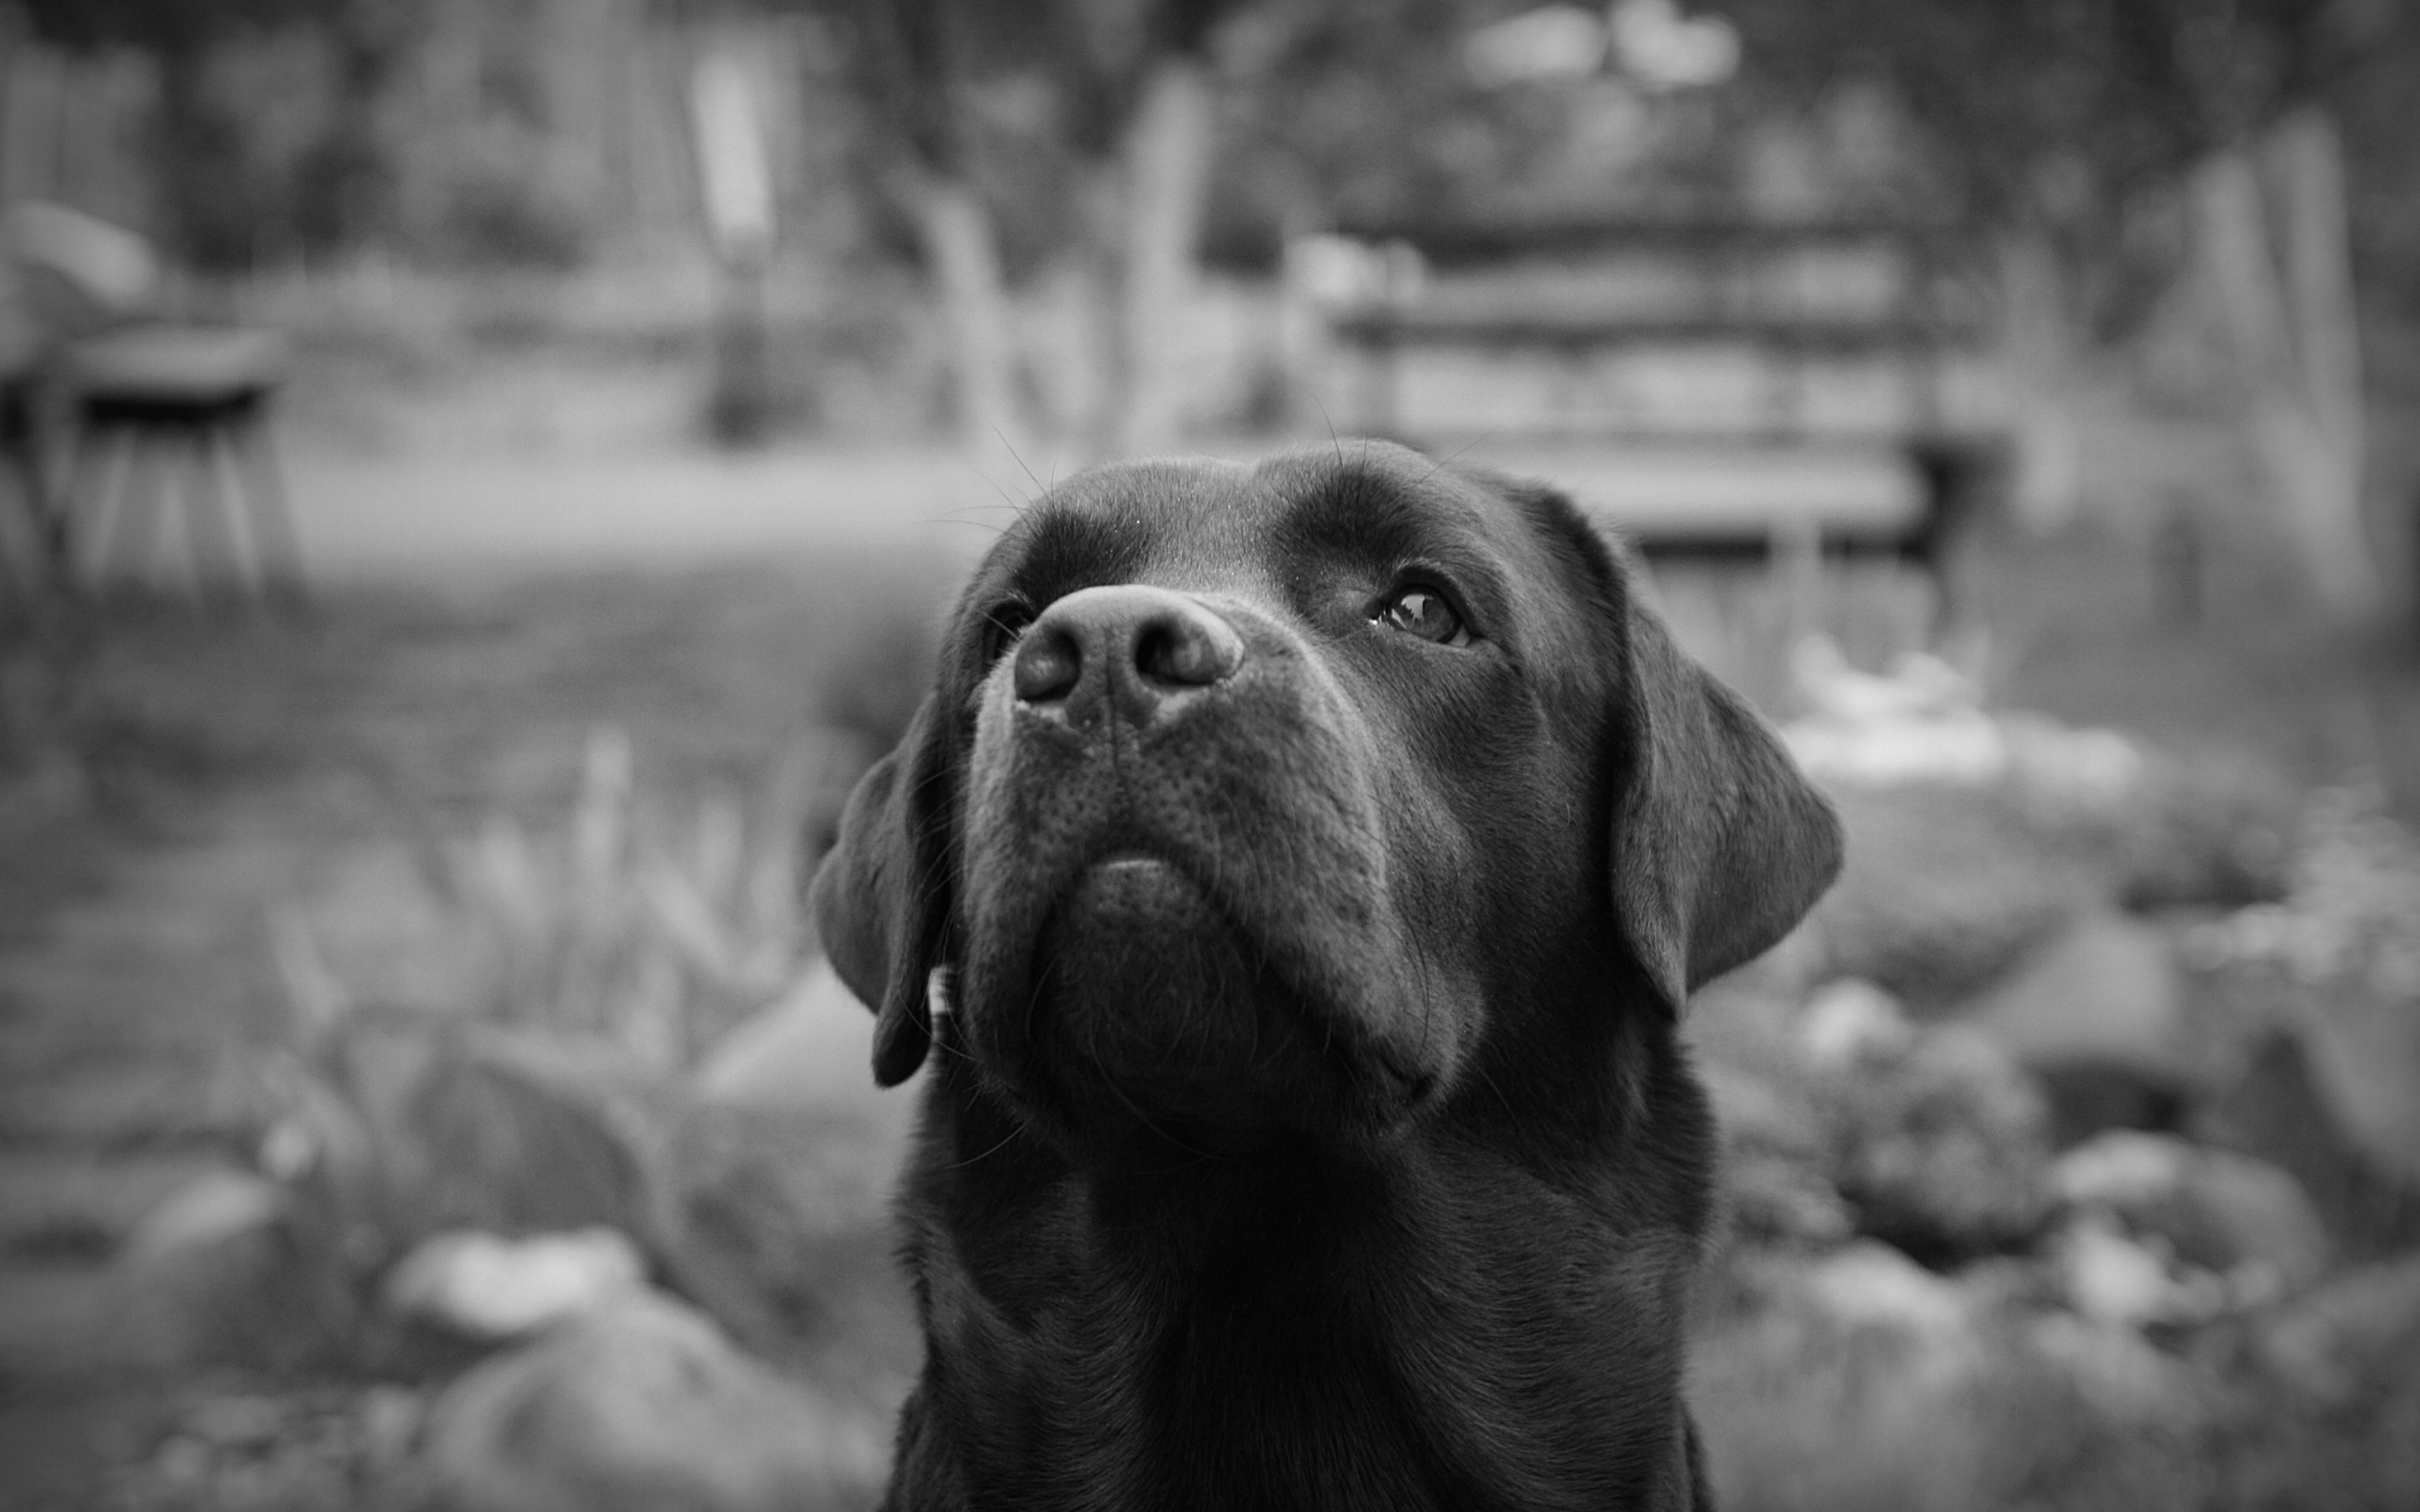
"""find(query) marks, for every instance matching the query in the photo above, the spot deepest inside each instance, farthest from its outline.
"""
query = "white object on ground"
(1924, 723)
(1852, 1020)
(496, 1288)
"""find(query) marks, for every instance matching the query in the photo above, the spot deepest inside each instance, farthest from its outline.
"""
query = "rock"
(1943, 1151)
(1862, 1379)
(2123, 1378)
(2363, 1047)
(810, 1052)
(2120, 1281)
(485, 1287)
(2215, 1211)
(215, 1273)
(1846, 1384)
(1762, 1112)
(640, 1405)
(236, 1420)
(1776, 1200)
(779, 1226)
(326, 1442)
(421, 1123)
(2097, 1015)
(1872, 1285)
(215, 1208)
(779, 1179)
(1852, 1020)
(2204, 830)
(2359, 1333)
(1943, 891)
(2274, 1106)
(1773, 1173)
(525, 1134)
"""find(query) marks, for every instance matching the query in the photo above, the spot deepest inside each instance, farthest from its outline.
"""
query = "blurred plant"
(2352, 908)
(616, 927)
(593, 961)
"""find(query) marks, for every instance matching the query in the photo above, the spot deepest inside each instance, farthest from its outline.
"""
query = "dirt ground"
(185, 772)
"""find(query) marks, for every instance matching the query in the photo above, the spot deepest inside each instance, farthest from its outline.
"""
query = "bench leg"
(1798, 561)
(212, 528)
(125, 516)
(275, 546)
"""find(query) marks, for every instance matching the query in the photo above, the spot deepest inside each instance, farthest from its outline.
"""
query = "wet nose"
(1129, 650)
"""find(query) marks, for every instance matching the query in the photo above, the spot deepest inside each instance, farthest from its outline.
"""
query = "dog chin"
(1159, 1022)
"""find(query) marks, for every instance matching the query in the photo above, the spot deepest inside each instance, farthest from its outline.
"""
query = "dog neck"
(1423, 1323)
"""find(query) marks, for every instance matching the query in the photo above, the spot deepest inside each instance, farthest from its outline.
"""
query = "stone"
(412, 1123)
(1872, 1285)
(2363, 1048)
(216, 1275)
(640, 1405)
(2359, 1333)
(1845, 1385)
(779, 1226)
(2097, 1014)
(1942, 892)
(2214, 1210)
(1943, 1151)
(2275, 1105)
(1851, 1020)
(811, 1051)
(778, 1175)
(2119, 1280)
(217, 1208)
(2206, 831)
(528, 1134)
(1773, 1179)
(486, 1287)
(1774, 1200)
(2125, 1379)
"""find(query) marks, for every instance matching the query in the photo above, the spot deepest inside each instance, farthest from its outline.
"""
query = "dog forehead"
(1201, 522)
(1169, 516)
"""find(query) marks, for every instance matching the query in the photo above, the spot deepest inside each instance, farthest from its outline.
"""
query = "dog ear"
(1721, 844)
(881, 898)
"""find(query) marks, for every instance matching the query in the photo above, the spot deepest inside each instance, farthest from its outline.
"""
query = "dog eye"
(1424, 611)
(1002, 627)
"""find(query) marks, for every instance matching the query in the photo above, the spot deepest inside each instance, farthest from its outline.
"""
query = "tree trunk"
(2288, 299)
(963, 249)
(1168, 175)
(2049, 483)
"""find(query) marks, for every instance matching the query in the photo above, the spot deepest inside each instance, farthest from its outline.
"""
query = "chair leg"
(275, 546)
(125, 517)
(210, 527)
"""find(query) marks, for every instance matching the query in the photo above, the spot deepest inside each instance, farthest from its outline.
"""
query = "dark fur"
(1334, 1148)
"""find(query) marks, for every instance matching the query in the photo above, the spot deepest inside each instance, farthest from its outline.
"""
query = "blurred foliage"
(2070, 118)
(220, 188)
(648, 937)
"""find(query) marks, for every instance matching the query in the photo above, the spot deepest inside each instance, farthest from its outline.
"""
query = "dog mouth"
(1152, 1012)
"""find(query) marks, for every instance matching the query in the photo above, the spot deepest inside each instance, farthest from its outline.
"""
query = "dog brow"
(1363, 512)
(1064, 546)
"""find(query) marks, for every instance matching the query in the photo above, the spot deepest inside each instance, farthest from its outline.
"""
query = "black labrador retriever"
(1295, 876)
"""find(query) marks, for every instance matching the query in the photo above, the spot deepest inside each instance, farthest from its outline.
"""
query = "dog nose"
(1130, 648)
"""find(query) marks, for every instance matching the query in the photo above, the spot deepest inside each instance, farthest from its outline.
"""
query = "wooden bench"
(1720, 391)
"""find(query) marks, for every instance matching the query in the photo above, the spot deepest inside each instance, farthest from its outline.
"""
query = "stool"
(183, 399)
(25, 533)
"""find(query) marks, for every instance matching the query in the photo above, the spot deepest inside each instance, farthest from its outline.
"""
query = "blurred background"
(477, 483)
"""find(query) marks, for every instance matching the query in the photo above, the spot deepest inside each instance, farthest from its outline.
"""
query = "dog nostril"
(1186, 653)
(1047, 664)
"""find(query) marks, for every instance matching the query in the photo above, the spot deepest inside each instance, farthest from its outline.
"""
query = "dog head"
(1253, 801)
